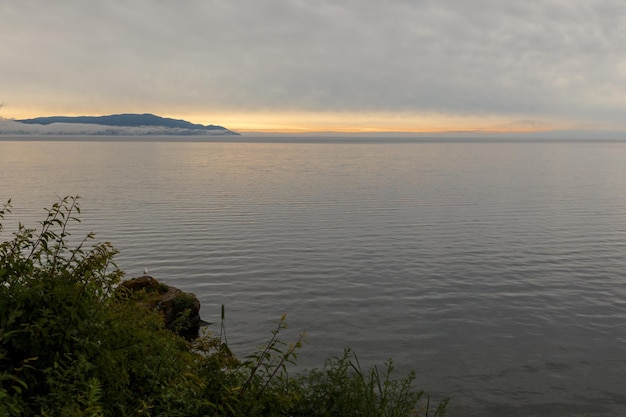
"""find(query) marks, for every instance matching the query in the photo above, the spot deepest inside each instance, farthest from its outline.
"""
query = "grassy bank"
(71, 345)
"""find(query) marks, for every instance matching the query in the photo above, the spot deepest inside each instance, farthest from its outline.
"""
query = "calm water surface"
(496, 270)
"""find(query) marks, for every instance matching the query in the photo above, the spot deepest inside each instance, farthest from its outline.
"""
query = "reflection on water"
(496, 270)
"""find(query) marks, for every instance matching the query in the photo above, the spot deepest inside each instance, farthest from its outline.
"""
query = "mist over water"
(495, 270)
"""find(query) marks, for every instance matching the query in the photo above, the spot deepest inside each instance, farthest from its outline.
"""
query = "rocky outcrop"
(180, 310)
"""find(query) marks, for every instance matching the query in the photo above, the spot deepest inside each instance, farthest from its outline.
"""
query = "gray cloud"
(547, 58)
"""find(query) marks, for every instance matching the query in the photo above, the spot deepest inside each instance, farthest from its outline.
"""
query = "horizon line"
(280, 129)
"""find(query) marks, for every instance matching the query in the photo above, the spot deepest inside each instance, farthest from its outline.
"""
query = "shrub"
(69, 347)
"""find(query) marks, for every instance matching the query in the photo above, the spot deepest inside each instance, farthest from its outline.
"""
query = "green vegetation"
(70, 345)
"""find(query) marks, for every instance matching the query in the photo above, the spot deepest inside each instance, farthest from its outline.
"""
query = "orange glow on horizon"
(354, 123)
(292, 122)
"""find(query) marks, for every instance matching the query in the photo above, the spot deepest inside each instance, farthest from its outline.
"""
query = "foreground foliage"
(71, 346)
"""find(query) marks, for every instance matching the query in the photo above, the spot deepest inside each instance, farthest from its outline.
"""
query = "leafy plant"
(71, 346)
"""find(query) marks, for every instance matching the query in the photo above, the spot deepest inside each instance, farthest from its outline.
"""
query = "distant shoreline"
(125, 124)
(296, 139)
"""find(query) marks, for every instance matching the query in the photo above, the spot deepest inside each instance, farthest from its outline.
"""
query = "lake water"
(496, 270)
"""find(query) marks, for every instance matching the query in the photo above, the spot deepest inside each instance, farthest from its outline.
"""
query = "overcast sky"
(295, 64)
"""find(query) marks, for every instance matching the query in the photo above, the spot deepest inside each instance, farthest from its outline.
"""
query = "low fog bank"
(12, 127)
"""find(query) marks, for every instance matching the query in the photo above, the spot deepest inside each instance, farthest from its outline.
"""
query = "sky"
(317, 65)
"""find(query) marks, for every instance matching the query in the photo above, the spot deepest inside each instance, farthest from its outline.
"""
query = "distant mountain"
(157, 125)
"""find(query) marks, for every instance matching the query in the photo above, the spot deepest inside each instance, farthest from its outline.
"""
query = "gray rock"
(180, 310)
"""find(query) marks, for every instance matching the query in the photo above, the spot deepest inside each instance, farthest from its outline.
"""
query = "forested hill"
(132, 120)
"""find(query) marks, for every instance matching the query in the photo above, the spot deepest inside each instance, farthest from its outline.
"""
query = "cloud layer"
(540, 60)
